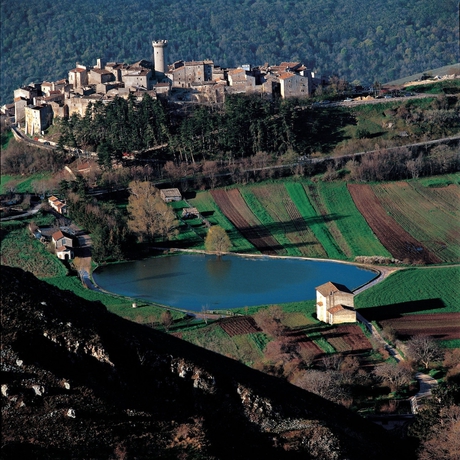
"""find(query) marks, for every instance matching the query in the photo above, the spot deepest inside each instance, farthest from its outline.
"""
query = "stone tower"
(159, 55)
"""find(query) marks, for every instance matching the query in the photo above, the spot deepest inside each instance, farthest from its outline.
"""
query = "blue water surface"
(194, 282)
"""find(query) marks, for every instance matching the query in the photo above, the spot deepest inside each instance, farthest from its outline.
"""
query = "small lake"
(192, 282)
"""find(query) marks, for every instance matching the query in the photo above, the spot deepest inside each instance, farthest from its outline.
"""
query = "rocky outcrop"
(79, 382)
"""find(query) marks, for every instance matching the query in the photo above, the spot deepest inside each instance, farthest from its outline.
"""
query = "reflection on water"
(218, 267)
(193, 281)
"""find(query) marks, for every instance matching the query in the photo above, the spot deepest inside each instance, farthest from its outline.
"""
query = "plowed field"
(235, 209)
(239, 325)
(426, 213)
(399, 242)
(444, 326)
(308, 344)
(346, 338)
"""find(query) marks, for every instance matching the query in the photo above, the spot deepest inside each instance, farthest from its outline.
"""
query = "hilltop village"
(37, 104)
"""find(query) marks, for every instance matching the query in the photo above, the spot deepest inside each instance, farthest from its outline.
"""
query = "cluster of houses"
(37, 104)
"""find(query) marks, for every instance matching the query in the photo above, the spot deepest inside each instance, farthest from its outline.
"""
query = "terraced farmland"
(239, 325)
(401, 244)
(431, 215)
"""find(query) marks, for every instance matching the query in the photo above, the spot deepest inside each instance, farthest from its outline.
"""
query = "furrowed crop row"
(327, 237)
(357, 234)
(299, 196)
(252, 230)
(446, 198)
(355, 337)
(428, 224)
(239, 326)
(274, 227)
(399, 242)
(443, 325)
(280, 206)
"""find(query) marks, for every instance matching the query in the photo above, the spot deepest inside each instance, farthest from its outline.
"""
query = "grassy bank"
(415, 290)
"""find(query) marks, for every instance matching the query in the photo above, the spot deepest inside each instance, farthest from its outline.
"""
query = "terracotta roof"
(286, 75)
(337, 309)
(101, 71)
(53, 198)
(331, 288)
(236, 71)
(290, 65)
(78, 69)
(57, 235)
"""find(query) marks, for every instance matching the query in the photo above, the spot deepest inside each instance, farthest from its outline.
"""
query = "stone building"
(138, 78)
(97, 76)
(78, 77)
(183, 73)
(335, 304)
(37, 118)
(293, 85)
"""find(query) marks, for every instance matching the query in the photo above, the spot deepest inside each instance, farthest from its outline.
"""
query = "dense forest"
(361, 41)
(246, 126)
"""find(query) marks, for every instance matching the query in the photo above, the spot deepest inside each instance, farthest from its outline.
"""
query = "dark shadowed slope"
(79, 382)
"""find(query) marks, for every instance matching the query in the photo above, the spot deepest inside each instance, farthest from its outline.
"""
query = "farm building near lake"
(335, 304)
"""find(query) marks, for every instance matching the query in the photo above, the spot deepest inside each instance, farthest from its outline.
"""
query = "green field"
(21, 184)
(21, 249)
(274, 226)
(314, 220)
(204, 202)
(355, 237)
(414, 290)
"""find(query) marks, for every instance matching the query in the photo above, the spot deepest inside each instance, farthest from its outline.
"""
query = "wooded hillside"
(360, 41)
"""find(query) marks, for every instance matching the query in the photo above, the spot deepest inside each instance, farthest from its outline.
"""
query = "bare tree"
(424, 350)
(217, 240)
(149, 215)
(210, 171)
(332, 361)
(270, 320)
(395, 375)
(166, 319)
(325, 384)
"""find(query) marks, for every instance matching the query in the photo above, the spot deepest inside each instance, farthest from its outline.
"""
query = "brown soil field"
(443, 326)
(399, 243)
(235, 209)
(427, 213)
(281, 208)
(239, 325)
(347, 337)
(308, 344)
